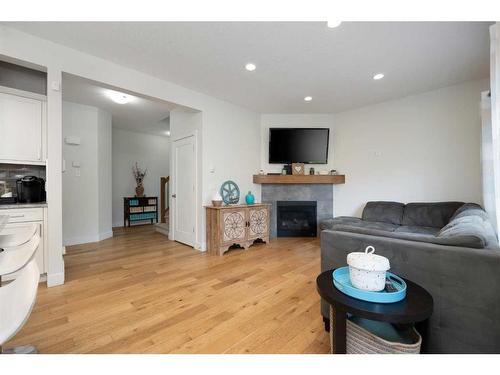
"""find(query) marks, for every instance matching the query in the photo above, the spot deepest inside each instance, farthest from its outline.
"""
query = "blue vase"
(249, 198)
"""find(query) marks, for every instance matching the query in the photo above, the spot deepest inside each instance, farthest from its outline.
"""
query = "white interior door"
(183, 190)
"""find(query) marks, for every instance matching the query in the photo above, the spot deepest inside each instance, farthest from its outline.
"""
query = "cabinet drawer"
(20, 215)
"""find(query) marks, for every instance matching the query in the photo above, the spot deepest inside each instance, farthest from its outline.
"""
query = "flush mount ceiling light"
(167, 133)
(119, 97)
(378, 76)
(333, 24)
(308, 98)
(250, 67)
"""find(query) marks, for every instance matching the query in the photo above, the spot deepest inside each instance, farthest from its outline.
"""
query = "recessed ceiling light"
(308, 98)
(250, 67)
(378, 76)
(333, 24)
(167, 133)
(119, 97)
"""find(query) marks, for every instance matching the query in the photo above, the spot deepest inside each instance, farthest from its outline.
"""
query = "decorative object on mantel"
(261, 172)
(311, 171)
(249, 198)
(217, 199)
(297, 168)
(324, 173)
(230, 192)
(139, 175)
(287, 168)
(283, 171)
(333, 172)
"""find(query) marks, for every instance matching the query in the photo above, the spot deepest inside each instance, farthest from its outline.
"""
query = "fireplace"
(296, 219)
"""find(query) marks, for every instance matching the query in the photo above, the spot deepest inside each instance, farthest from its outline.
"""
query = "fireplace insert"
(296, 219)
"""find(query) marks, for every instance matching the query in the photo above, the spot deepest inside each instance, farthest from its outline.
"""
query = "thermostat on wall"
(72, 140)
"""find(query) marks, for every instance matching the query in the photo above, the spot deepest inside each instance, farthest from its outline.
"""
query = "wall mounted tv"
(298, 145)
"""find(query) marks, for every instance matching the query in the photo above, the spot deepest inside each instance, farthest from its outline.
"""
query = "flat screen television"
(298, 145)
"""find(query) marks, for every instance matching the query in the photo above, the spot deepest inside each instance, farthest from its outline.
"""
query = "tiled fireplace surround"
(321, 193)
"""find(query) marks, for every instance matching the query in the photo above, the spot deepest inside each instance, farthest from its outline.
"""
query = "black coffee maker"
(30, 189)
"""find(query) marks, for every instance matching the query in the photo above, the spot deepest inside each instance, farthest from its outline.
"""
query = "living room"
(285, 170)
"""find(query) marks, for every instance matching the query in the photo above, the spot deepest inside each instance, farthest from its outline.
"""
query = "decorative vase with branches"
(139, 175)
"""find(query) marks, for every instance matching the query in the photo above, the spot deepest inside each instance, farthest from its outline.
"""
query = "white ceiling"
(141, 114)
(294, 59)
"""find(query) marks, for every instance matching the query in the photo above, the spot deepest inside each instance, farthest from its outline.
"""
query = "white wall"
(276, 120)
(495, 116)
(230, 134)
(423, 147)
(85, 197)
(104, 168)
(149, 151)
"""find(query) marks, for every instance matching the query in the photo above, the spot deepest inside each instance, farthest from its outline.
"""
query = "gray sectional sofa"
(449, 248)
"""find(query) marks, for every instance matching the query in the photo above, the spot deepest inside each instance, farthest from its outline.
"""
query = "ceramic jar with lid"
(367, 270)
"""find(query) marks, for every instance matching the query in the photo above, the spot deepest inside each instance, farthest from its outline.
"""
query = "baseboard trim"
(55, 279)
(105, 235)
(162, 231)
(88, 239)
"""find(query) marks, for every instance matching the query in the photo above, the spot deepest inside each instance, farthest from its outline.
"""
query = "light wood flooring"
(141, 293)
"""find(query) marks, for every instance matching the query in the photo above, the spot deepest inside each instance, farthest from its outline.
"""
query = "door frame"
(173, 205)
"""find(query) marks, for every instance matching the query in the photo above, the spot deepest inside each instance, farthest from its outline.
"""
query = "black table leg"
(337, 330)
(423, 329)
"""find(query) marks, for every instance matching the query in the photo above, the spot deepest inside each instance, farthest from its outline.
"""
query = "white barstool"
(4, 219)
(16, 239)
(18, 297)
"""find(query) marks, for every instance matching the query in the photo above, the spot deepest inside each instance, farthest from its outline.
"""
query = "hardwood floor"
(141, 293)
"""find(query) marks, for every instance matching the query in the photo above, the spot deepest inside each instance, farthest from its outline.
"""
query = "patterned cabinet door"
(259, 223)
(233, 226)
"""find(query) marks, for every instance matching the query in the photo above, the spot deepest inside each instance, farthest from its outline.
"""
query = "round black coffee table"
(416, 307)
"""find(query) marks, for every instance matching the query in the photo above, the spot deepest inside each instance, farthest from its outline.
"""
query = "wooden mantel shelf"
(299, 179)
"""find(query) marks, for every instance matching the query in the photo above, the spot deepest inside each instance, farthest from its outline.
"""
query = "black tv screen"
(298, 145)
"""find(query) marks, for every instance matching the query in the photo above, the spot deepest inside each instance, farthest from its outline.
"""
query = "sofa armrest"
(464, 283)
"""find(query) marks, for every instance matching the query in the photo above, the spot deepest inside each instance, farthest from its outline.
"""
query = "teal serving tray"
(342, 282)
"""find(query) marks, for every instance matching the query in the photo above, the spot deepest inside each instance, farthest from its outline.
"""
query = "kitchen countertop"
(22, 205)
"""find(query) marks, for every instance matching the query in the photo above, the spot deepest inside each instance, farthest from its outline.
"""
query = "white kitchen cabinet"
(20, 219)
(22, 128)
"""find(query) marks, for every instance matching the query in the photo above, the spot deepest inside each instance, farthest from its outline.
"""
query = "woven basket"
(361, 341)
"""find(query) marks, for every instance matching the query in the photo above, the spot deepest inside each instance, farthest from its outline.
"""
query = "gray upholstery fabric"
(417, 230)
(435, 215)
(340, 220)
(355, 223)
(470, 209)
(464, 283)
(463, 280)
(386, 212)
(470, 231)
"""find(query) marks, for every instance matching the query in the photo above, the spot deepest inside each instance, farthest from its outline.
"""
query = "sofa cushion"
(468, 231)
(417, 230)
(435, 215)
(386, 212)
(470, 209)
(357, 225)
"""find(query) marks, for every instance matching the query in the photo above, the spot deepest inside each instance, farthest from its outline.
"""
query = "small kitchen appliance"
(30, 189)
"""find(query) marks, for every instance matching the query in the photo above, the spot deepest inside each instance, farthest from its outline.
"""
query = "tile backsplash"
(10, 173)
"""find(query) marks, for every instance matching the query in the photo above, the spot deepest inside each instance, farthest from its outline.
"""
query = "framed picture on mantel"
(298, 168)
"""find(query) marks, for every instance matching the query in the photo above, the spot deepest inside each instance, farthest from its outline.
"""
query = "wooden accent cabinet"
(236, 225)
